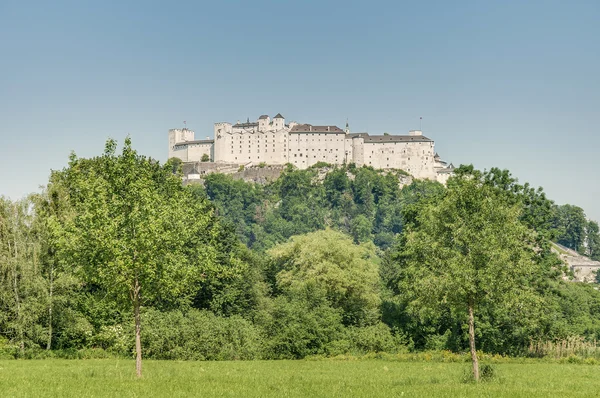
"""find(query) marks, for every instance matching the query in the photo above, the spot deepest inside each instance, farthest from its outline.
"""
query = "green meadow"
(303, 378)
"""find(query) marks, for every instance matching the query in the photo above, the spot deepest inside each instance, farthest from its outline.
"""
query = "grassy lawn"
(363, 378)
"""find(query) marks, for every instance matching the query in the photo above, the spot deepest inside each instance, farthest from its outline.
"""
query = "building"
(274, 142)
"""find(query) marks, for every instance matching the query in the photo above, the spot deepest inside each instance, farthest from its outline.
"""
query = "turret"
(278, 122)
(263, 123)
(177, 136)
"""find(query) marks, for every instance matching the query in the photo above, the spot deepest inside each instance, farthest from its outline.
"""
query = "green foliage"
(205, 158)
(570, 223)
(328, 261)
(136, 232)
(320, 262)
(200, 335)
(300, 326)
(592, 240)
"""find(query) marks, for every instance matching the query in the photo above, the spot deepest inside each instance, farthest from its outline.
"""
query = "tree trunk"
(17, 297)
(138, 330)
(472, 341)
(49, 345)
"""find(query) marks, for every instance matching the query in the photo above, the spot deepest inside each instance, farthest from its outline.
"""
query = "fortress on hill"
(273, 142)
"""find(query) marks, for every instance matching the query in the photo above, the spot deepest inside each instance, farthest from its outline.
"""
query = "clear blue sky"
(511, 84)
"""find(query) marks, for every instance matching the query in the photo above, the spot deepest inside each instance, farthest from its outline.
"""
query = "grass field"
(359, 378)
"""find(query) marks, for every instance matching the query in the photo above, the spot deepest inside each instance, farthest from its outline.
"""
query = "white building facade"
(272, 141)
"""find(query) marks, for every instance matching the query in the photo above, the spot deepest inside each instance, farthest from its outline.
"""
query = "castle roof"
(396, 138)
(263, 117)
(278, 116)
(244, 125)
(195, 142)
(309, 128)
(357, 135)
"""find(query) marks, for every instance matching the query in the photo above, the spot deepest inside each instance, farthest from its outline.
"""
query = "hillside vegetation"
(116, 255)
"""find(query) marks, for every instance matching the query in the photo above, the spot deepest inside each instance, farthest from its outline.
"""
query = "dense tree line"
(116, 255)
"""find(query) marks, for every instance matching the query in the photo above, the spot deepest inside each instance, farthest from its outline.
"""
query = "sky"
(508, 84)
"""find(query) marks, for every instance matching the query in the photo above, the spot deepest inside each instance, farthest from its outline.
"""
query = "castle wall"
(178, 136)
(306, 149)
(179, 151)
(358, 151)
(256, 147)
(197, 150)
(305, 145)
(415, 158)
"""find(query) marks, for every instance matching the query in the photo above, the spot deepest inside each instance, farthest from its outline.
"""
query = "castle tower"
(278, 122)
(263, 123)
(177, 136)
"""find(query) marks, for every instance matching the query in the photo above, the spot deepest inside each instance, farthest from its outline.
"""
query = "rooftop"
(195, 142)
(397, 138)
(309, 128)
(248, 124)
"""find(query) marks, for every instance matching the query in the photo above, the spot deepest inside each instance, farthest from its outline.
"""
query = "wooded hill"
(116, 255)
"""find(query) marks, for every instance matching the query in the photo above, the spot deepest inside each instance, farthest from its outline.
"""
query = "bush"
(199, 335)
(487, 372)
(297, 328)
(376, 338)
(114, 339)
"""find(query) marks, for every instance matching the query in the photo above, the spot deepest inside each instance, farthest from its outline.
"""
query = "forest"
(116, 257)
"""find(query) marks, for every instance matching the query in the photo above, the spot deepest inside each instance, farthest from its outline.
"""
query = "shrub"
(297, 328)
(199, 335)
(487, 372)
(375, 338)
(114, 340)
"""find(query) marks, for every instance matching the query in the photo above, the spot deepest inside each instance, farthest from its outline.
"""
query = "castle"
(273, 142)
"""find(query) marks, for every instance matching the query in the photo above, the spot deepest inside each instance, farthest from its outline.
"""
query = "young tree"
(136, 231)
(21, 292)
(592, 240)
(329, 261)
(466, 248)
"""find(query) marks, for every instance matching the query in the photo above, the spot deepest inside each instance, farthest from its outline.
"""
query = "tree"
(329, 261)
(205, 158)
(465, 249)
(22, 295)
(592, 239)
(571, 224)
(136, 232)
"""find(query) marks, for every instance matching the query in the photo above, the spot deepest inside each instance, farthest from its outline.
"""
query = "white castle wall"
(273, 142)
(197, 150)
(306, 149)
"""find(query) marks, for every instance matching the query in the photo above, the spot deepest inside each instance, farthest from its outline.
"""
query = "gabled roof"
(278, 116)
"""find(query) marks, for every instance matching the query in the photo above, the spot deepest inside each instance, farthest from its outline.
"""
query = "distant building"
(272, 141)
